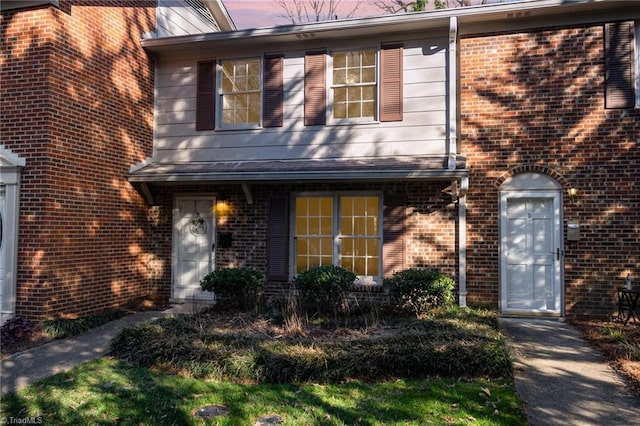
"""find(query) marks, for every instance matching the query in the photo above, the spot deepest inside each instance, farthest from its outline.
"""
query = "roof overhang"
(147, 174)
(336, 170)
(471, 20)
(22, 4)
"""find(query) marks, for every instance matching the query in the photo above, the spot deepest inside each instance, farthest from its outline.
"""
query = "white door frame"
(515, 191)
(176, 246)
(10, 170)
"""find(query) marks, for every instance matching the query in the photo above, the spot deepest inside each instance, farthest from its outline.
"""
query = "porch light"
(223, 208)
(573, 193)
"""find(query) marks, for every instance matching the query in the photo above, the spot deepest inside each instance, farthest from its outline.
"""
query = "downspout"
(463, 184)
(453, 92)
(462, 244)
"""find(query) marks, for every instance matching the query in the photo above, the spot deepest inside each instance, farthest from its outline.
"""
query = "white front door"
(531, 253)
(193, 246)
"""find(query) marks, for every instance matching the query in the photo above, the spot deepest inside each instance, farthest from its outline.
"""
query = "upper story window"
(354, 84)
(240, 93)
(363, 86)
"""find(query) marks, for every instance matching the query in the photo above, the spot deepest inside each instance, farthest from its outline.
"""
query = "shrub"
(62, 328)
(16, 329)
(325, 288)
(419, 290)
(238, 286)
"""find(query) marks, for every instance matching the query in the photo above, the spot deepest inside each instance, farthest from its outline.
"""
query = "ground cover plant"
(248, 348)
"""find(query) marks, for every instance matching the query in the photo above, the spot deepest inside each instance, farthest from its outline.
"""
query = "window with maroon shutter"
(619, 63)
(393, 232)
(391, 83)
(273, 91)
(278, 239)
(206, 99)
(315, 94)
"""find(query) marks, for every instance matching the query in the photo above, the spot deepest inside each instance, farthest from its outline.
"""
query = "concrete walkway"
(24, 368)
(563, 380)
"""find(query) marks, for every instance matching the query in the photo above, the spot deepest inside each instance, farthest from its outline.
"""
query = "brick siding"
(77, 93)
(431, 225)
(534, 101)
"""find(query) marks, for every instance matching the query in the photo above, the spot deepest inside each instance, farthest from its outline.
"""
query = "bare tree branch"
(301, 11)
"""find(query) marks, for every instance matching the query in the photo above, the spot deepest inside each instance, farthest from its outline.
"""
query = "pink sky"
(266, 13)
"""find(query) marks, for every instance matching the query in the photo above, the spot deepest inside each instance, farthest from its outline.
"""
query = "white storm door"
(193, 246)
(531, 254)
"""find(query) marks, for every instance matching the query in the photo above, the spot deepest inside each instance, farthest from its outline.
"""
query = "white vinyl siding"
(421, 132)
(177, 17)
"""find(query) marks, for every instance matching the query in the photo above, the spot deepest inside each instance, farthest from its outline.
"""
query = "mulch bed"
(613, 349)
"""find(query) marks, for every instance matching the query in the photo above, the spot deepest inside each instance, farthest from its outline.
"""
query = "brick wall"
(431, 224)
(535, 101)
(77, 94)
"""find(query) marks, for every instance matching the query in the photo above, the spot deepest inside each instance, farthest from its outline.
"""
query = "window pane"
(339, 76)
(354, 93)
(368, 93)
(369, 75)
(368, 109)
(339, 60)
(326, 226)
(353, 110)
(340, 110)
(340, 94)
(368, 58)
(353, 59)
(353, 76)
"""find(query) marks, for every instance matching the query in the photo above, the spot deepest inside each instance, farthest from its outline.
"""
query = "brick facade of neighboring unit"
(535, 101)
(77, 104)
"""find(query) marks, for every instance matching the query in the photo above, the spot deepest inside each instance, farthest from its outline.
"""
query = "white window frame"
(220, 96)
(330, 86)
(337, 236)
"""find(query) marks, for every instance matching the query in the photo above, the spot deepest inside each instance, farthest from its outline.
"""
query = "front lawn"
(450, 367)
(108, 391)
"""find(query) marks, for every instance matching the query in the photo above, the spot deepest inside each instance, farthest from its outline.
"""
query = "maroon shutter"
(273, 91)
(391, 83)
(206, 96)
(278, 239)
(315, 92)
(393, 234)
(619, 64)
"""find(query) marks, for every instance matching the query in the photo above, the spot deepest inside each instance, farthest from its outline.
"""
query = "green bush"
(237, 286)
(419, 290)
(325, 288)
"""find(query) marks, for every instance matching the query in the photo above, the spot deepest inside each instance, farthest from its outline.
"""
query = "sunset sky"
(266, 13)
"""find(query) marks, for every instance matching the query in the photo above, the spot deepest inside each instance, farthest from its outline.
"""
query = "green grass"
(106, 392)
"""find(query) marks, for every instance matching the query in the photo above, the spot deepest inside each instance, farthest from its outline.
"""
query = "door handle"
(213, 247)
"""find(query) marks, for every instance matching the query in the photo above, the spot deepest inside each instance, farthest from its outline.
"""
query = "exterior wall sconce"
(573, 193)
(223, 208)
